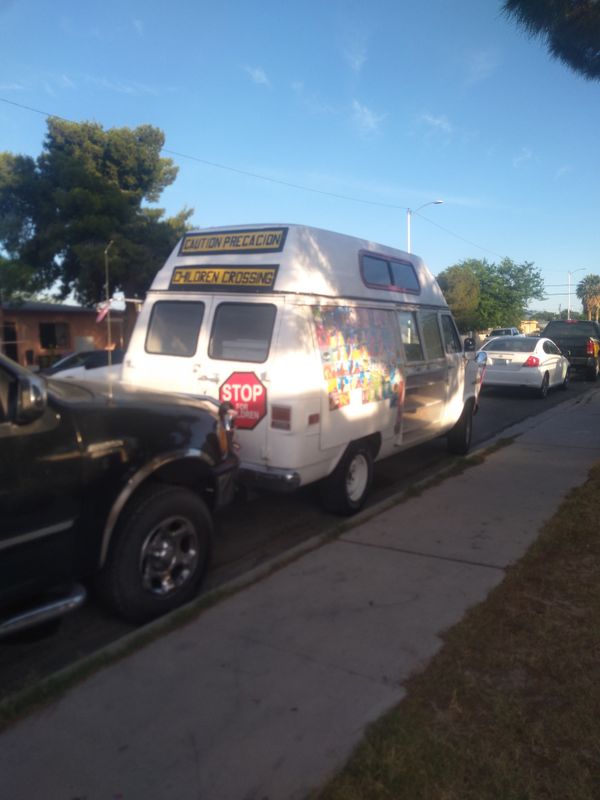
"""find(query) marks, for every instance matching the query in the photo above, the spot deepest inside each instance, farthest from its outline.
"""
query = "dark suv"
(114, 485)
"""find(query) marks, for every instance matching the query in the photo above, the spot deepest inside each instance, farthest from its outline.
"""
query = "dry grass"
(510, 707)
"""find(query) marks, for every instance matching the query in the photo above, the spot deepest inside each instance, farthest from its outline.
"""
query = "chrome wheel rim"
(169, 555)
(357, 478)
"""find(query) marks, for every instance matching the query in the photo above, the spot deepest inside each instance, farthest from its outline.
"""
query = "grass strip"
(509, 708)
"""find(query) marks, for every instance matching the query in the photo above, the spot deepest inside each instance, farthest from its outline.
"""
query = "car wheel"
(565, 384)
(159, 554)
(543, 390)
(459, 437)
(592, 372)
(345, 490)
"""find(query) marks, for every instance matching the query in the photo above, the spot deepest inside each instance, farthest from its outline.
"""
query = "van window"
(431, 334)
(410, 336)
(387, 273)
(242, 332)
(451, 337)
(174, 328)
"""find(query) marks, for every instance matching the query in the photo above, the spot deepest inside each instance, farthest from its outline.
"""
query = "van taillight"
(281, 418)
(589, 348)
(532, 361)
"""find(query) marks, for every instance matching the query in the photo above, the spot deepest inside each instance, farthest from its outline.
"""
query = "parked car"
(116, 486)
(525, 361)
(579, 341)
(88, 365)
(503, 332)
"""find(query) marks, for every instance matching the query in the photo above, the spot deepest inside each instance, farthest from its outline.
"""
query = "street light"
(410, 212)
(569, 273)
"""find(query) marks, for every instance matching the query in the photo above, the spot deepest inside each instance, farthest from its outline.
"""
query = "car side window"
(450, 334)
(411, 338)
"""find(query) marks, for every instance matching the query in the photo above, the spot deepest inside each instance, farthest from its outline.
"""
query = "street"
(257, 529)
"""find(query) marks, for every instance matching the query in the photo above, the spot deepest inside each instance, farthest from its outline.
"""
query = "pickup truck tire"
(345, 490)
(159, 554)
(592, 372)
(459, 437)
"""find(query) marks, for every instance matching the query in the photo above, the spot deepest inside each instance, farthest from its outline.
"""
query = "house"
(37, 333)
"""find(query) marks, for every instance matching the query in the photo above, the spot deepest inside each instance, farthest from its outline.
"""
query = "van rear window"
(174, 328)
(242, 332)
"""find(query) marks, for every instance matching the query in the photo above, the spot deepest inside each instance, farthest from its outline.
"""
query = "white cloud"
(355, 54)
(481, 65)
(12, 87)
(138, 26)
(562, 171)
(366, 120)
(258, 75)
(440, 123)
(524, 156)
(310, 100)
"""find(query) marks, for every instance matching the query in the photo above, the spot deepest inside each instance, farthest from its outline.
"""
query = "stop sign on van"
(249, 397)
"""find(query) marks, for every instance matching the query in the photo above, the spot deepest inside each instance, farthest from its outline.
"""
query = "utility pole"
(107, 295)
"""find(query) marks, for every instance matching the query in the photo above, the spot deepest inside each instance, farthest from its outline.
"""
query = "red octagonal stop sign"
(249, 397)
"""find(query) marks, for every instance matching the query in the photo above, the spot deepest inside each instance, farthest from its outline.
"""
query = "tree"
(588, 291)
(499, 293)
(569, 28)
(88, 187)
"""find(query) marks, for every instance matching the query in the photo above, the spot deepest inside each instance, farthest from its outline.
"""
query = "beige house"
(36, 333)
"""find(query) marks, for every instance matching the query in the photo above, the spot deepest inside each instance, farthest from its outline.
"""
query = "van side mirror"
(31, 399)
(469, 345)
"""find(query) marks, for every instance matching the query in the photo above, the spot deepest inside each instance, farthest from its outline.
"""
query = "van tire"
(345, 490)
(459, 438)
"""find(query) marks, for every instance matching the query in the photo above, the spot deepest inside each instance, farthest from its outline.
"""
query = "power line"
(288, 184)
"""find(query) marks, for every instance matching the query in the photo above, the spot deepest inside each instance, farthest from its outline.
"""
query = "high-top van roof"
(295, 259)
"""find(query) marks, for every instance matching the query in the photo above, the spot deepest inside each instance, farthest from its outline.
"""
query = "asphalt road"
(252, 531)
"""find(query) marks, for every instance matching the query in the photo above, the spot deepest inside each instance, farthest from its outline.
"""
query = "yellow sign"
(226, 278)
(262, 240)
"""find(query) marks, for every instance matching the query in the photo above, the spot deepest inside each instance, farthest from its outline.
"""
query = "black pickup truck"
(105, 483)
(579, 341)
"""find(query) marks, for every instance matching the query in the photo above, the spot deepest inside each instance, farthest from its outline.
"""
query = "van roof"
(299, 259)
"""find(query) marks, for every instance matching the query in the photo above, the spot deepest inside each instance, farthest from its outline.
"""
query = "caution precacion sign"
(261, 240)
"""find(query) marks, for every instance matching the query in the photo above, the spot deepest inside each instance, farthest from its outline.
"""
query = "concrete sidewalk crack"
(422, 554)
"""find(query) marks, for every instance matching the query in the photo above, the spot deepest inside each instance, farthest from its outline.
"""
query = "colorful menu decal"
(359, 353)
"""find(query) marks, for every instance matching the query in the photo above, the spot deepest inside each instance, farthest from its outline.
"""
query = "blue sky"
(394, 104)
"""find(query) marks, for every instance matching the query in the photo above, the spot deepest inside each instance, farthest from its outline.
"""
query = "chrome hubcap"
(357, 477)
(169, 555)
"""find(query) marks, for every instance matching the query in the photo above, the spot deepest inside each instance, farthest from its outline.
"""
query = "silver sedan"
(525, 361)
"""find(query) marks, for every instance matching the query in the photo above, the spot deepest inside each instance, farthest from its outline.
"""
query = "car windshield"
(511, 344)
(564, 328)
(500, 332)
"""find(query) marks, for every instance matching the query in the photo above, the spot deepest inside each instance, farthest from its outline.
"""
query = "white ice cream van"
(335, 351)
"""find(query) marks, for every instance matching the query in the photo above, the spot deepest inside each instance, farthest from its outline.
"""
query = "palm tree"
(569, 28)
(588, 291)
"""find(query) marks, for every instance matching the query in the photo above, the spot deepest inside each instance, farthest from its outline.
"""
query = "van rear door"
(237, 364)
(165, 352)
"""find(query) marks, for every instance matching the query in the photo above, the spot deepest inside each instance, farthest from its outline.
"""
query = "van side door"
(426, 375)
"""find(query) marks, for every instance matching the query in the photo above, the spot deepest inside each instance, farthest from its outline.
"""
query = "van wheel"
(159, 554)
(345, 490)
(459, 438)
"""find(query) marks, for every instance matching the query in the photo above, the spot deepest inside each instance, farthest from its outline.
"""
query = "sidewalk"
(264, 695)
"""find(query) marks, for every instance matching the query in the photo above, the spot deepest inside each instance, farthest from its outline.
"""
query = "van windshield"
(242, 332)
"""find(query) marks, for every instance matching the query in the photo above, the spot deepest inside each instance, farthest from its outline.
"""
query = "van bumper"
(280, 480)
